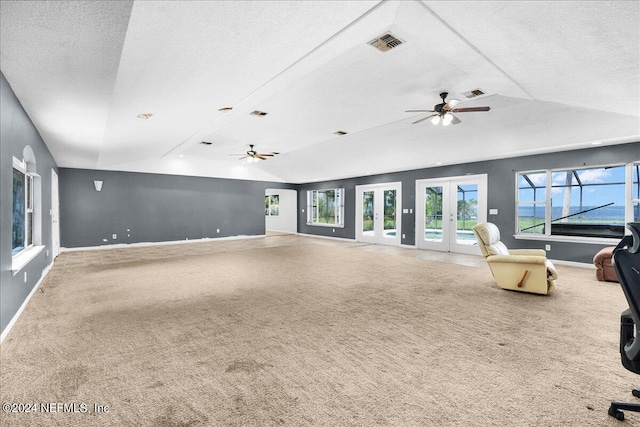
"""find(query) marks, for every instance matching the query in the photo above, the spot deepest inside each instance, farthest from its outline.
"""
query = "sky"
(592, 195)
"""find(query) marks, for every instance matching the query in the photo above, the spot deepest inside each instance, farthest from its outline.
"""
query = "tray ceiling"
(557, 75)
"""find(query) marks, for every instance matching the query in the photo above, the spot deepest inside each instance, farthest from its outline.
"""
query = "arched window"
(26, 230)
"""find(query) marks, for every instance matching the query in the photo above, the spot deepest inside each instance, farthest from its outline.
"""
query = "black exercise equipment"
(626, 263)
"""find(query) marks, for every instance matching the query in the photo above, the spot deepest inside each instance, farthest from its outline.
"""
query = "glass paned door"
(390, 230)
(433, 223)
(451, 207)
(368, 198)
(466, 214)
(377, 216)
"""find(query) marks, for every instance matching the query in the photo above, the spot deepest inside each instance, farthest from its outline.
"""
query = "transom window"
(587, 202)
(325, 207)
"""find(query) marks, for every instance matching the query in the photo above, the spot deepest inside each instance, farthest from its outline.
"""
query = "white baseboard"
(573, 264)
(326, 237)
(15, 317)
(172, 242)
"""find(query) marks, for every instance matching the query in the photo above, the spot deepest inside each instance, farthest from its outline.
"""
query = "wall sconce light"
(98, 185)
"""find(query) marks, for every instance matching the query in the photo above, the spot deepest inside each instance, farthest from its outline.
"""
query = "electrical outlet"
(547, 247)
(334, 230)
(217, 230)
(25, 277)
(403, 235)
(114, 237)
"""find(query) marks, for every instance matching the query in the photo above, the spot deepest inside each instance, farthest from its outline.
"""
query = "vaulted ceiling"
(558, 75)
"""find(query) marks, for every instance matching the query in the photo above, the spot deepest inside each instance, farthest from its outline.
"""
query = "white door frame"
(449, 211)
(55, 215)
(379, 237)
(286, 221)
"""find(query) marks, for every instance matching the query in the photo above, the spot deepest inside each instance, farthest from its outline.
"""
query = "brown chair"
(604, 268)
(526, 270)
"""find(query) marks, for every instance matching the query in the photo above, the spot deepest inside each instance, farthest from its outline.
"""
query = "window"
(532, 202)
(22, 229)
(272, 205)
(325, 207)
(586, 202)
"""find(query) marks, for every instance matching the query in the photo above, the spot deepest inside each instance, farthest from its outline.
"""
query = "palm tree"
(466, 208)
(433, 209)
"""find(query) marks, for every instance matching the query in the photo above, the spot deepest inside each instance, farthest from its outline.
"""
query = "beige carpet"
(310, 334)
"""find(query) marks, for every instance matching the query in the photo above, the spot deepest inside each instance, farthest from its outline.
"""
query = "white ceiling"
(558, 75)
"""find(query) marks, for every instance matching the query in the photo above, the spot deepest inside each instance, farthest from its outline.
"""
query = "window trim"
(20, 259)
(21, 166)
(339, 211)
(547, 236)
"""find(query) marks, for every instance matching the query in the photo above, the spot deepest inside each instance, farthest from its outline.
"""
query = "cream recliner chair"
(526, 270)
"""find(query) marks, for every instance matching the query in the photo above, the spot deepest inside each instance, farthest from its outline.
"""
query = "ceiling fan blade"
(265, 155)
(260, 156)
(241, 158)
(468, 109)
(419, 111)
(455, 120)
(423, 119)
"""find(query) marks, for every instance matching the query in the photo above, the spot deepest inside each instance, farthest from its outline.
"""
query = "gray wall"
(16, 132)
(156, 208)
(501, 194)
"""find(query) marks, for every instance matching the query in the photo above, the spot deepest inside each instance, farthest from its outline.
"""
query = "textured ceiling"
(557, 75)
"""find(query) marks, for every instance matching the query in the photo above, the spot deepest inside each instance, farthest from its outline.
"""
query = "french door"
(446, 211)
(378, 216)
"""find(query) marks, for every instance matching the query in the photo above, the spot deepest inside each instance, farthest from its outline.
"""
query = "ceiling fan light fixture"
(446, 120)
(435, 120)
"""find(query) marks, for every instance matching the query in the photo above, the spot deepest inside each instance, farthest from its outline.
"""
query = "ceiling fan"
(253, 156)
(443, 111)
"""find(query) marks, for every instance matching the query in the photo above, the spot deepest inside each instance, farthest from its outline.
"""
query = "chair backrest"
(488, 237)
(626, 263)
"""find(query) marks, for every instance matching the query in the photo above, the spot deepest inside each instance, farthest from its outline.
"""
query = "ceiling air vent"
(385, 42)
(473, 93)
(206, 143)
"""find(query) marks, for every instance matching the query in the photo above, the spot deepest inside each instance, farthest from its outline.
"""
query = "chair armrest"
(536, 252)
(519, 259)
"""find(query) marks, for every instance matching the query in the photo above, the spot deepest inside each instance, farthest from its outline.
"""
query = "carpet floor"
(305, 334)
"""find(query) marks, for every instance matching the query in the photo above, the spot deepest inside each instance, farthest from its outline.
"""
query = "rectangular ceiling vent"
(473, 93)
(385, 42)
(206, 143)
